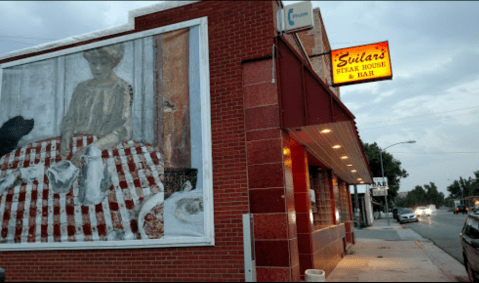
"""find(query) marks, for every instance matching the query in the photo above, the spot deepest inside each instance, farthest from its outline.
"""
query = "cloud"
(441, 21)
(434, 55)
(117, 12)
(46, 21)
(434, 95)
(437, 169)
(448, 87)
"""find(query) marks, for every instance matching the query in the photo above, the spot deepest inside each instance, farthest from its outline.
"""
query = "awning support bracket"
(319, 54)
(333, 116)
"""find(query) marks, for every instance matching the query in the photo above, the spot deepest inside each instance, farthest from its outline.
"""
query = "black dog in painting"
(12, 131)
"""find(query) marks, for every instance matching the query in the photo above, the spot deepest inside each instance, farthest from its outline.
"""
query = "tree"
(469, 186)
(392, 169)
(449, 201)
(433, 196)
(416, 197)
(455, 190)
(463, 188)
(475, 184)
(401, 202)
(423, 196)
(441, 201)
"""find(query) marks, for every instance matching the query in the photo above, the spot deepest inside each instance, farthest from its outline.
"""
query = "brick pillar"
(334, 194)
(302, 197)
(351, 216)
(351, 211)
(270, 183)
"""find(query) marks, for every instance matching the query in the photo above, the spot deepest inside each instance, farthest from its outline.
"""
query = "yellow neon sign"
(361, 64)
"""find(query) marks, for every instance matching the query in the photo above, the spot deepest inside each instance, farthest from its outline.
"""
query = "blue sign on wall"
(298, 16)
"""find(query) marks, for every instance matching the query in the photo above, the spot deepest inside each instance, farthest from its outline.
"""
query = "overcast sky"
(433, 97)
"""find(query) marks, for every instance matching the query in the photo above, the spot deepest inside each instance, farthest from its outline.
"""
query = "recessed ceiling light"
(325, 131)
(354, 170)
(350, 165)
(336, 146)
(359, 179)
(344, 157)
(362, 182)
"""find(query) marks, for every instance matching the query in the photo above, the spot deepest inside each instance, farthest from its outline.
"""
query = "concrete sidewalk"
(395, 254)
(382, 224)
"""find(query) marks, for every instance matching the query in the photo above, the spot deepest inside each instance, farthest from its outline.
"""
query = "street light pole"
(382, 171)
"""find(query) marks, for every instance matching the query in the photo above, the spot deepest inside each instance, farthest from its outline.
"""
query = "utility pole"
(356, 204)
(386, 193)
(382, 171)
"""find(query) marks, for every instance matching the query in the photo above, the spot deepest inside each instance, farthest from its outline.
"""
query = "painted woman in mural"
(106, 174)
(100, 106)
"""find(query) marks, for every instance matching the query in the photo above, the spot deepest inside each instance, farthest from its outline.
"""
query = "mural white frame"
(209, 238)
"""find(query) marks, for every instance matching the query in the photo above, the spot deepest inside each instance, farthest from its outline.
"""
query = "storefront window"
(344, 207)
(337, 200)
(322, 211)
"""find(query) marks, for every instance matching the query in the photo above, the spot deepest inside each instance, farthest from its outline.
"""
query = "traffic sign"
(380, 192)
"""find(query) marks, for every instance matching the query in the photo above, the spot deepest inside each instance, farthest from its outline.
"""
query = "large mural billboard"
(120, 152)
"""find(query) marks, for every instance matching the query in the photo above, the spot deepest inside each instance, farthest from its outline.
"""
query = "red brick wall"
(271, 190)
(315, 41)
(237, 31)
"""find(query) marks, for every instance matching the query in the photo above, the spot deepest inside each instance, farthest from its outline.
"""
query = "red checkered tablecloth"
(33, 213)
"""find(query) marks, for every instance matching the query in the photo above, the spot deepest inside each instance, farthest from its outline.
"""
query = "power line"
(17, 41)
(408, 123)
(411, 117)
(22, 37)
(459, 109)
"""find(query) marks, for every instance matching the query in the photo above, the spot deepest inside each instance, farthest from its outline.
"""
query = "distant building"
(365, 204)
(402, 194)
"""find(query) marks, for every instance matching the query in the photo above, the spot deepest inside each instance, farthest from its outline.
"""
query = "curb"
(384, 228)
(450, 266)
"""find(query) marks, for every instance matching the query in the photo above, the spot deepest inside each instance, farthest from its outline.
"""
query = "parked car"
(407, 215)
(396, 212)
(422, 210)
(470, 246)
(461, 208)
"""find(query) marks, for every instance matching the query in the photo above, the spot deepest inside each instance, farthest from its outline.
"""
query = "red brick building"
(284, 150)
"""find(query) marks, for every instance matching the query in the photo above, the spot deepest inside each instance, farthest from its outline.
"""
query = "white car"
(407, 215)
(422, 210)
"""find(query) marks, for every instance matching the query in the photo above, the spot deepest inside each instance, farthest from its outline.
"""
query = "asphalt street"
(443, 229)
